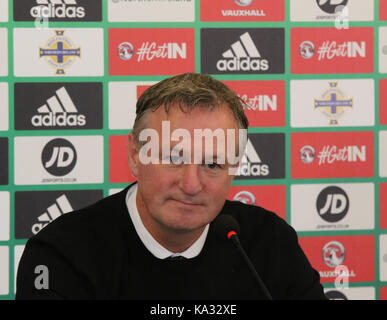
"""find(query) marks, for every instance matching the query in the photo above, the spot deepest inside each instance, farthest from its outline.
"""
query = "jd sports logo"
(34, 210)
(331, 6)
(335, 295)
(332, 204)
(59, 110)
(59, 157)
(249, 51)
(58, 10)
(58, 106)
(61, 206)
(261, 160)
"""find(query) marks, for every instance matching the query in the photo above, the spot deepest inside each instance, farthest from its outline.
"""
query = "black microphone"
(227, 227)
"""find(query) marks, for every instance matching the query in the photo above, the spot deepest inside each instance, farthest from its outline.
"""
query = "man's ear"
(132, 152)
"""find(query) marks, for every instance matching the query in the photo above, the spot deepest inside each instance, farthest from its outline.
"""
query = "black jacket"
(95, 253)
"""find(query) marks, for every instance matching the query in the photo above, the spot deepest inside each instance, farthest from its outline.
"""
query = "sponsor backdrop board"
(318, 11)
(49, 52)
(56, 106)
(35, 209)
(3, 10)
(3, 52)
(359, 293)
(4, 102)
(312, 74)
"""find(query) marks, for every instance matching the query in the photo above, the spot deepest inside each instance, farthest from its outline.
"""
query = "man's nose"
(190, 181)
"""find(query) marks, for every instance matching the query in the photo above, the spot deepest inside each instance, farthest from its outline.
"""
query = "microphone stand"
(235, 239)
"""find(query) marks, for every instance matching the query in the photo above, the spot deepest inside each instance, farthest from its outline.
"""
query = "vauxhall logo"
(245, 197)
(332, 204)
(243, 3)
(242, 56)
(57, 9)
(59, 157)
(333, 254)
(59, 110)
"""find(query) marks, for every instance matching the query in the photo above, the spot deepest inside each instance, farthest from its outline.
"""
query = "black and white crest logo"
(243, 51)
(59, 157)
(332, 204)
(57, 10)
(331, 6)
(3, 161)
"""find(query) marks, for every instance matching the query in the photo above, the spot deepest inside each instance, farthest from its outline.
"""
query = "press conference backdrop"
(313, 74)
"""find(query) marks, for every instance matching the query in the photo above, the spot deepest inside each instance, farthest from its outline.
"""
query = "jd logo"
(332, 204)
(331, 6)
(59, 157)
(42, 280)
(335, 295)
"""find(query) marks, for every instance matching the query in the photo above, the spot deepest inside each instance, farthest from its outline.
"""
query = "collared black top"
(95, 253)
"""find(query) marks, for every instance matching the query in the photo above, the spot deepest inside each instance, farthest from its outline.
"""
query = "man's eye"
(212, 165)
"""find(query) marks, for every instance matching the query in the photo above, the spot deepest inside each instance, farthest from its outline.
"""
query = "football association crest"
(60, 52)
(333, 103)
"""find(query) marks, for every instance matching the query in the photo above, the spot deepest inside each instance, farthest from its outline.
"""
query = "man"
(155, 239)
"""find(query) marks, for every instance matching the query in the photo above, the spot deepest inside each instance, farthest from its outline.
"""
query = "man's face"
(183, 197)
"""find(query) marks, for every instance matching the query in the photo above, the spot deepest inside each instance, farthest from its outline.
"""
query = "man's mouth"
(188, 203)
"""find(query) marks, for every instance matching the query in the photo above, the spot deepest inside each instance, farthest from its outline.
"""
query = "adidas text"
(61, 11)
(245, 64)
(251, 169)
(61, 120)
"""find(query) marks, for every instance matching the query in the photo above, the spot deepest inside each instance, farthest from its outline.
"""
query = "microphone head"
(225, 225)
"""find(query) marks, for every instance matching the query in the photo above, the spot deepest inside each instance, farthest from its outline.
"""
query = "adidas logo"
(243, 56)
(61, 206)
(57, 9)
(59, 111)
(251, 164)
